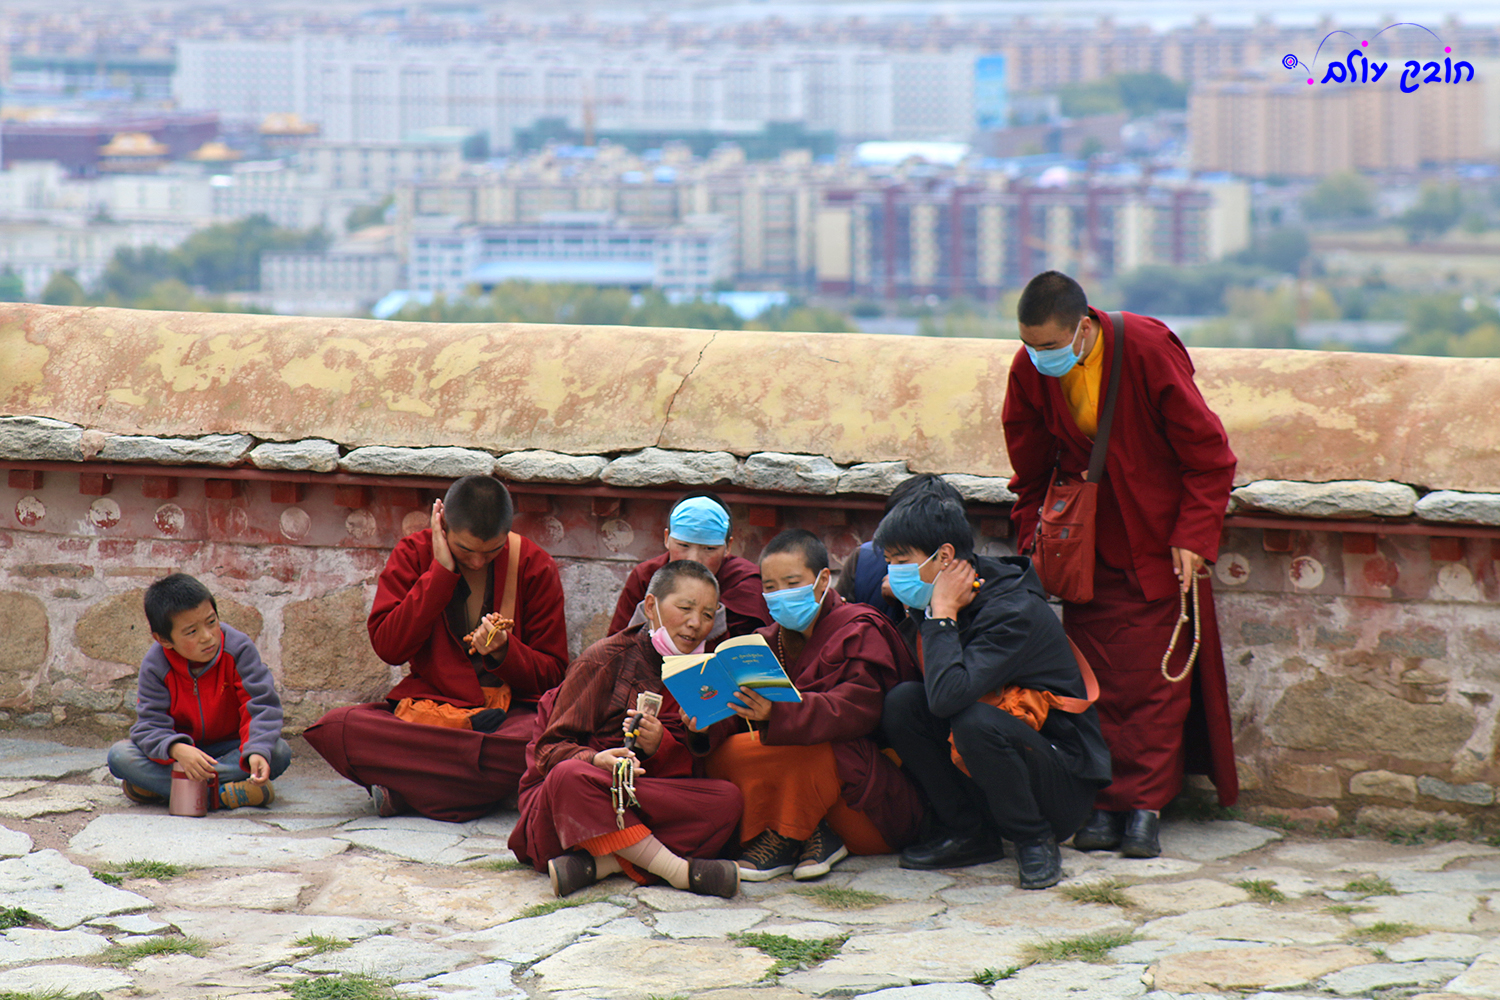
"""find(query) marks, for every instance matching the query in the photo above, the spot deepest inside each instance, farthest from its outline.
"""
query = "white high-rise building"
(379, 90)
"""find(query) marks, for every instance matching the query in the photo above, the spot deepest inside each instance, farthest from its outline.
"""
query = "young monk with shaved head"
(816, 784)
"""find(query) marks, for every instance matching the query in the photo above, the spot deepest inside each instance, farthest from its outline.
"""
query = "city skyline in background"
(897, 166)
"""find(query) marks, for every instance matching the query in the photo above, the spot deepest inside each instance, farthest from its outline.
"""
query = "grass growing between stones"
(1385, 931)
(553, 905)
(109, 878)
(349, 986)
(989, 977)
(319, 944)
(835, 898)
(1347, 909)
(38, 995)
(1088, 948)
(1199, 809)
(1106, 892)
(790, 953)
(14, 916)
(1262, 890)
(1371, 885)
(159, 870)
(129, 954)
(503, 865)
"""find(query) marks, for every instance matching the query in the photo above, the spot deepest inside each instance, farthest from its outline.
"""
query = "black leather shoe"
(1141, 834)
(1101, 833)
(1041, 863)
(948, 851)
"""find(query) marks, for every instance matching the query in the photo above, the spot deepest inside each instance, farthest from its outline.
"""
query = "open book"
(704, 683)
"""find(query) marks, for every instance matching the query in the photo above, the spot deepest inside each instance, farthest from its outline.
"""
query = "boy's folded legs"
(145, 781)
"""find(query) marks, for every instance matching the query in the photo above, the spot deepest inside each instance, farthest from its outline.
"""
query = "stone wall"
(279, 460)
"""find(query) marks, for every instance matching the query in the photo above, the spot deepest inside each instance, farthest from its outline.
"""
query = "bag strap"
(512, 577)
(1090, 686)
(1107, 411)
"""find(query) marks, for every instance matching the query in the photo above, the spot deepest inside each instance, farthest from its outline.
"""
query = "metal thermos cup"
(189, 797)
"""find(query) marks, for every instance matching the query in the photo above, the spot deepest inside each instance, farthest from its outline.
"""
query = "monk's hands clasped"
(751, 707)
(648, 732)
(491, 636)
(605, 759)
(954, 589)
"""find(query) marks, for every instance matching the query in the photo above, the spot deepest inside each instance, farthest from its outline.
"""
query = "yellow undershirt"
(1080, 387)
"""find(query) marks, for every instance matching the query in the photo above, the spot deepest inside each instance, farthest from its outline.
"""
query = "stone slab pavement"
(317, 885)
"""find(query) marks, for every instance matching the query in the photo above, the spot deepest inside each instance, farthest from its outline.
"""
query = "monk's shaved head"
(804, 543)
(665, 581)
(1052, 298)
(480, 505)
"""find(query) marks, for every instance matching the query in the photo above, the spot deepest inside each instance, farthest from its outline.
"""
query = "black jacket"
(1009, 635)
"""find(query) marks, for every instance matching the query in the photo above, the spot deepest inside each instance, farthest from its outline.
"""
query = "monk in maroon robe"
(571, 826)
(817, 786)
(700, 529)
(1168, 473)
(449, 740)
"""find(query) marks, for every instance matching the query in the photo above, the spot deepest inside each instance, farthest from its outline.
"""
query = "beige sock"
(652, 855)
(606, 866)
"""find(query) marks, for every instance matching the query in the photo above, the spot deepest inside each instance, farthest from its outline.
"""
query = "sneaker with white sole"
(768, 855)
(820, 853)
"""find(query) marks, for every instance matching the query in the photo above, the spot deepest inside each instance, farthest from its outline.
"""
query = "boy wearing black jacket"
(978, 626)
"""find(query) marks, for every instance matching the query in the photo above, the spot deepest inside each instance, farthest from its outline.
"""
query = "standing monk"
(699, 529)
(477, 610)
(577, 823)
(815, 783)
(1161, 502)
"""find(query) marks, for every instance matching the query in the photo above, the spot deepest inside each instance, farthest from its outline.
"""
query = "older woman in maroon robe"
(569, 825)
(1168, 473)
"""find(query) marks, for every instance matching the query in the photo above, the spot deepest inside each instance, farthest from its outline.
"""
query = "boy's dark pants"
(128, 762)
(1021, 785)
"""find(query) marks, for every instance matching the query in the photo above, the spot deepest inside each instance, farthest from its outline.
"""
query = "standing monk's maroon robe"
(565, 798)
(853, 657)
(739, 592)
(449, 774)
(1168, 473)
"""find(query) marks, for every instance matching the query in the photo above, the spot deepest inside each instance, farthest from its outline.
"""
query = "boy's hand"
(260, 769)
(953, 589)
(751, 706)
(440, 550)
(196, 764)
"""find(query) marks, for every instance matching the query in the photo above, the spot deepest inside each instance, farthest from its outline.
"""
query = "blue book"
(704, 683)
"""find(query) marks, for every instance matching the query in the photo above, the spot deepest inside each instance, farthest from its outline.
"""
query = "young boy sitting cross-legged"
(206, 703)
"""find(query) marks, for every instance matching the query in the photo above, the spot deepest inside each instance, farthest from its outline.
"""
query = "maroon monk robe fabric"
(739, 591)
(1169, 469)
(565, 799)
(448, 774)
(853, 657)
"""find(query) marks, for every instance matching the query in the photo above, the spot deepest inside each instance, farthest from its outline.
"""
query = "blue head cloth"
(699, 521)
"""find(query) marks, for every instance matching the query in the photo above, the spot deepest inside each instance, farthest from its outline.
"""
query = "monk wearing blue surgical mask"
(700, 529)
(816, 785)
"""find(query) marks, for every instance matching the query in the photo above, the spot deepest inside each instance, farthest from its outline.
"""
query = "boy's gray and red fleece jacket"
(235, 698)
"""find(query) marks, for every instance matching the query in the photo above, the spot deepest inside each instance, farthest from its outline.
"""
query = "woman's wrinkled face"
(687, 612)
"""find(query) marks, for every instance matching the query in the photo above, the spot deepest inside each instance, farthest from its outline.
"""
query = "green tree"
(1434, 214)
(364, 216)
(1138, 93)
(1340, 196)
(63, 290)
(131, 272)
(1160, 289)
(12, 288)
(1280, 249)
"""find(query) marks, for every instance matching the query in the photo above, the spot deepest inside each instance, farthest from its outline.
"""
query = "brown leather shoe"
(713, 878)
(571, 872)
(139, 795)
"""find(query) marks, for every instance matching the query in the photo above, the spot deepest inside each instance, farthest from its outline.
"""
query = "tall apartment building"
(1263, 126)
(379, 90)
(974, 237)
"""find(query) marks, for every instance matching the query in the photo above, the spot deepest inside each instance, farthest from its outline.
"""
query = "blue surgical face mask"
(908, 586)
(795, 607)
(1056, 361)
